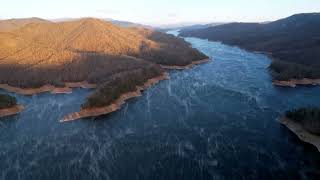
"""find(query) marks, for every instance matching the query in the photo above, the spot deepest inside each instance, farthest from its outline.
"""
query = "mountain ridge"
(293, 42)
(89, 50)
(16, 23)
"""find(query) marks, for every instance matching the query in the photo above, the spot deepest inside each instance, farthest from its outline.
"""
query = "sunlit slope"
(41, 53)
(12, 24)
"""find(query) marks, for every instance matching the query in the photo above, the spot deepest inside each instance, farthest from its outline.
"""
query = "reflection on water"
(216, 121)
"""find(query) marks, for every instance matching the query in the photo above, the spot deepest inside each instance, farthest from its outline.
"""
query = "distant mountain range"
(293, 42)
(11, 24)
(189, 26)
(200, 26)
(128, 24)
(125, 24)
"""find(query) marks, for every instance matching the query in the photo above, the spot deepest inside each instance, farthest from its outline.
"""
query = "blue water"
(215, 121)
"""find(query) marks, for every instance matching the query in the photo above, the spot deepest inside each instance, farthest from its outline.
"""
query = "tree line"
(309, 118)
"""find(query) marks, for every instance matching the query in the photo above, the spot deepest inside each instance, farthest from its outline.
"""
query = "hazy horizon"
(160, 13)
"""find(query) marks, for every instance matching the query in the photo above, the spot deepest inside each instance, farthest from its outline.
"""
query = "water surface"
(215, 121)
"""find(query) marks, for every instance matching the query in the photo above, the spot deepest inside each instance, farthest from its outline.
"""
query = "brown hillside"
(51, 44)
(97, 36)
(85, 35)
(12, 24)
(87, 50)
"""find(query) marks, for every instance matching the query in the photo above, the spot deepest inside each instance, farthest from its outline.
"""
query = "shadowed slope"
(171, 50)
(294, 40)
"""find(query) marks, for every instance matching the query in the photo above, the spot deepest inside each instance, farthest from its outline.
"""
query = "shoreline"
(48, 88)
(296, 82)
(11, 111)
(116, 105)
(302, 134)
(83, 84)
(194, 63)
(95, 112)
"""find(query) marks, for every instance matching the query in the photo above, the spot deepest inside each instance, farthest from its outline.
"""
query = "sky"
(160, 12)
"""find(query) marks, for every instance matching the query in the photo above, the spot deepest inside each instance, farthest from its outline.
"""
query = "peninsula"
(89, 53)
(305, 123)
(9, 106)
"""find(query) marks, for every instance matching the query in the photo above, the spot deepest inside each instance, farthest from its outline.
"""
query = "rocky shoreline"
(303, 135)
(194, 63)
(295, 82)
(94, 112)
(116, 105)
(84, 84)
(48, 88)
(11, 111)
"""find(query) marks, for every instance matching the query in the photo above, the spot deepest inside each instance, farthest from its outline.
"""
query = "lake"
(215, 121)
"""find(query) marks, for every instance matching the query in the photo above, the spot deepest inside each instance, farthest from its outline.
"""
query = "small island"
(9, 106)
(305, 123)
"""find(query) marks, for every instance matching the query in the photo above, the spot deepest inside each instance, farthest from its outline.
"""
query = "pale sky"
(156, 12)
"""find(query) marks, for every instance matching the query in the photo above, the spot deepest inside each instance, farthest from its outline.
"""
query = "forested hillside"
(88, 50)
(293, 42)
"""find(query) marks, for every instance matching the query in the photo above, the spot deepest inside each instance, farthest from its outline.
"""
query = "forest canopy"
(293, 42)
(7, 101)
(116, 59)
(309, 118)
